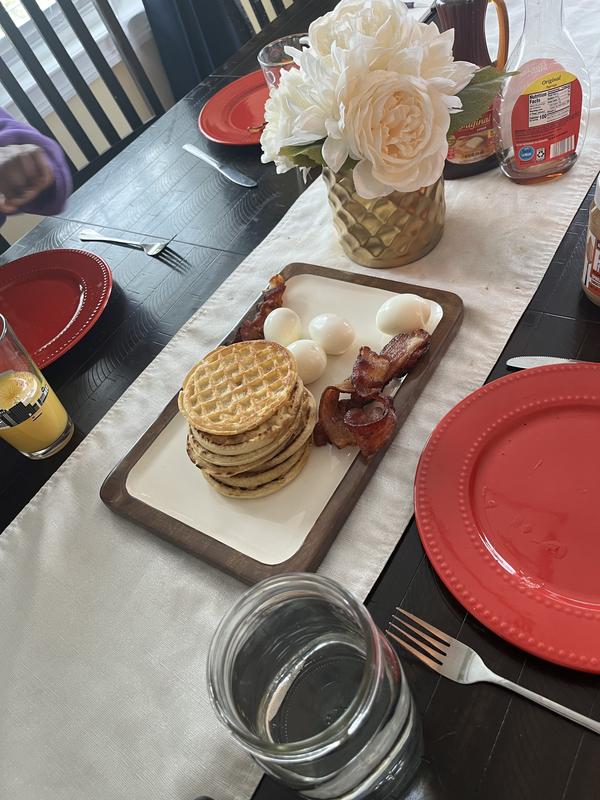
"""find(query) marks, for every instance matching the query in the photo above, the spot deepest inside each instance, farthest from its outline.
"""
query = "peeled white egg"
(333, 333)
(310, 359)
(402, 314)
(282, 326)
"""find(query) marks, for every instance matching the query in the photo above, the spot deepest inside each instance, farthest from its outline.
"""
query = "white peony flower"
(438, 65)
(394, 121)
(373, 85)
(385, 19)
(295, 114)
(393, 40)
(395, 127)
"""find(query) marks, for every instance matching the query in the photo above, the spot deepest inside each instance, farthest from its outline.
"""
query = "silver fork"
(150, 248)
(456, 661)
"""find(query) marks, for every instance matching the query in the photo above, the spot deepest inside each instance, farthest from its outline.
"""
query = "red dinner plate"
(53, 298)
(229, 116)
(506, 501)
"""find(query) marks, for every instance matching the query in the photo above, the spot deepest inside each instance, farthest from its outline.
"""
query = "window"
(18, 13)
(126, 10)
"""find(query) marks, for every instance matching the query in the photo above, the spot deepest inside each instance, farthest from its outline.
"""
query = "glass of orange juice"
(32, 418)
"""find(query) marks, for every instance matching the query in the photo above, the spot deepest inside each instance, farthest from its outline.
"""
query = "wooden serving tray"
(293, 529)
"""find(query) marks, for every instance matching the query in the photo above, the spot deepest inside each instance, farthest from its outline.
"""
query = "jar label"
(474, 142)
(546, 119)
(591, 265)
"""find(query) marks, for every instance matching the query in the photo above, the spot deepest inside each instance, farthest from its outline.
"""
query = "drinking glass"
(273, 58)
(32, 418)
(307, 684)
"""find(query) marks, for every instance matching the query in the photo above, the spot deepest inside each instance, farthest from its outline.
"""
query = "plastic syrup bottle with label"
(541, 114)
(472, 149)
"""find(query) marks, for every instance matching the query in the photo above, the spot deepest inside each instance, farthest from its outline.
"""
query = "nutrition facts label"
(546, 118)
(549, 106)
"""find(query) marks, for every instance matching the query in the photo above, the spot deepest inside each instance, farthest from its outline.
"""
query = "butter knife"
(526, 362)
(229, 172)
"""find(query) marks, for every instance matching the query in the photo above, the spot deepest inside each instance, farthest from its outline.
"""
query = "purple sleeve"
(53, 199)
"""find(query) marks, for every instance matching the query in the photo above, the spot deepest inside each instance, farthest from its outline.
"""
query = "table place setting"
(182, 603)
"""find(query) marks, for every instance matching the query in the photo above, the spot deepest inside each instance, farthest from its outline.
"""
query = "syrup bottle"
(472, 149)
(541, 114)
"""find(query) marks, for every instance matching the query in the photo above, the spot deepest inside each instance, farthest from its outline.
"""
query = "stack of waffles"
(250, 418)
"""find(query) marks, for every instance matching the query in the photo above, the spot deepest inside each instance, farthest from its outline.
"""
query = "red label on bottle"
(474, 142)
(546, 119)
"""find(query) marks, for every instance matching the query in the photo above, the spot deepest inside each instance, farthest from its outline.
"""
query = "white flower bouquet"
(375, 92)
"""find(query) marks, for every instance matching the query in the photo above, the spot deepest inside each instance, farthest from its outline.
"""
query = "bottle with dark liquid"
(472, 149)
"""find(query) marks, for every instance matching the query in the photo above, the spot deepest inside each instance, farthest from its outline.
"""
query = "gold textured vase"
(386, 231)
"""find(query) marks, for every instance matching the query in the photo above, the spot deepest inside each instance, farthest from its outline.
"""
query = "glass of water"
(273, 58)
(308, 685)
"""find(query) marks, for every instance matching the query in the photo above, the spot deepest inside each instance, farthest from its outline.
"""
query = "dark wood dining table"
(480, 741)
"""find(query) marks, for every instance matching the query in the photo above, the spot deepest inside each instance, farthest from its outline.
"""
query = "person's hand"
(24, 173)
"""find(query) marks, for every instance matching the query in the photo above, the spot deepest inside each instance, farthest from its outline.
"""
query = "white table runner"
(104, 629)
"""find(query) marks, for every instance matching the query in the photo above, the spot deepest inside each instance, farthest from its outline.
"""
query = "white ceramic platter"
(272, 529)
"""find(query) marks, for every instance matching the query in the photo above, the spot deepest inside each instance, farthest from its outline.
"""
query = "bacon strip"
(403, 352)
(369, 373)
(367, 418)
(272, 298)
(331, 426)
(373, 426)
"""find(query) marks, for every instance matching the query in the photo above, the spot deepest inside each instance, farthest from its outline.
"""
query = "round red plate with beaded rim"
(506, 502)
(52, 298)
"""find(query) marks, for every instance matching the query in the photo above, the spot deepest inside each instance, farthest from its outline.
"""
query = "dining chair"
(194, 37)
(94, 155)
(261, 12)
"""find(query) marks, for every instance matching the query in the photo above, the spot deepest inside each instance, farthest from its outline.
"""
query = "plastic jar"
(591, 261)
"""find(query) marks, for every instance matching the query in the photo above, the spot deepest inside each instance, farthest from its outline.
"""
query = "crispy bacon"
(366, 417)
(373, 426)
(403, 352)
(331, 426)
(272, 298)
(319, 436)
(369, 373)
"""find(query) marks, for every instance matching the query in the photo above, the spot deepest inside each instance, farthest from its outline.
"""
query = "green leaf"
(305, 155)
(478, 96)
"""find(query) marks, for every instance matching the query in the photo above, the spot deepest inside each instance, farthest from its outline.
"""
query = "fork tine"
(437, 644)
(173, 255)
(163, 255)
(421, 656)
(447, 640)
(429, 650)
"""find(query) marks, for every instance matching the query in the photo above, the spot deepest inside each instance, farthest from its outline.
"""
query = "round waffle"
(231, 465)
(250, 480)
(263, 436)
(310, 420)
(296, 438)
(237, 387)
(262, 489)
(205, 459)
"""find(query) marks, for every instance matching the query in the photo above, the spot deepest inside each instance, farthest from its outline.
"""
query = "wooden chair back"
(95, 155)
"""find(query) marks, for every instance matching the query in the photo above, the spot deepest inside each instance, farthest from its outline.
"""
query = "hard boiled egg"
(310, 359)
(333, 333)
(402, 314)
(282, 326)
